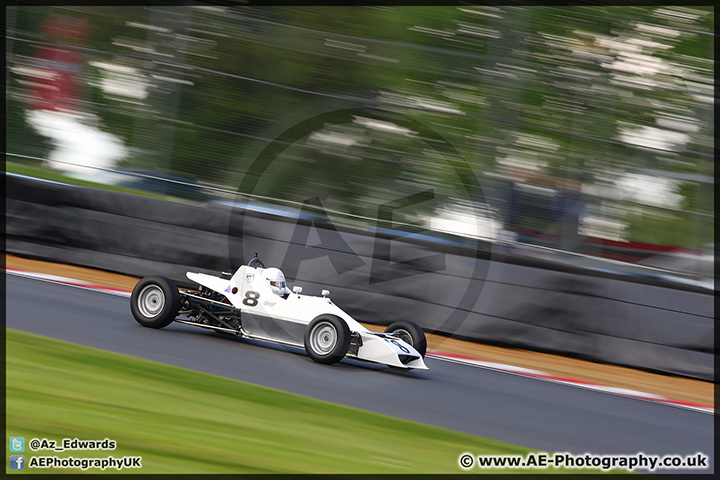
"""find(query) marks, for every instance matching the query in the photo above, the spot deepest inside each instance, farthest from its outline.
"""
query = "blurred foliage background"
(576, 123)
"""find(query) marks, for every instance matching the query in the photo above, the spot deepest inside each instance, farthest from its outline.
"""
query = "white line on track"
(71, 282)
(620, 392)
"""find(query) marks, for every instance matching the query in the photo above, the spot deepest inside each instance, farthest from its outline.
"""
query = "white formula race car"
(256, 303)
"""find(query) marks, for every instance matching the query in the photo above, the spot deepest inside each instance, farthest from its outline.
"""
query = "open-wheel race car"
(255, 302)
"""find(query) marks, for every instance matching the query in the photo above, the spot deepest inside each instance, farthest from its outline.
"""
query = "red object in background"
(620, 250)
(632, 252)
(55, 87)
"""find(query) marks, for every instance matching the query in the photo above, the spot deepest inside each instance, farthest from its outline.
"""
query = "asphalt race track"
(510, 408)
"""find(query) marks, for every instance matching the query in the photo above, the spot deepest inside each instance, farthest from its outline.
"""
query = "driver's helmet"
(276, 280)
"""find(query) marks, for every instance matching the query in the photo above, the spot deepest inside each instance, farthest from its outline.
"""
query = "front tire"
(327, 339)
(409, 333)
(155, 302)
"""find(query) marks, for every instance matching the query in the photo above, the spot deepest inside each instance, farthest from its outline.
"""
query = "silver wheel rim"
(404, 335)
(151, 301)
(323, 338)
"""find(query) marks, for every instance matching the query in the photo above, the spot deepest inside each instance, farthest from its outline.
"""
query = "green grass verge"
(181, 421)
(37, 172)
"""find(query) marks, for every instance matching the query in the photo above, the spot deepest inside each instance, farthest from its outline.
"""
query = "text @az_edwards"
(37, 444)
(20, 462)
(638, 461)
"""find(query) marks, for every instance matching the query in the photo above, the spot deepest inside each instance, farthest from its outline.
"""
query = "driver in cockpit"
(276, 279)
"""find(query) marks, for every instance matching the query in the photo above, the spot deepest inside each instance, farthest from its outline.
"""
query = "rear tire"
(155, 302)
(409, 333)
(327, 339)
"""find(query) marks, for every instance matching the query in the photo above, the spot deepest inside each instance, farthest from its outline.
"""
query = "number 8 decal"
(251, 298)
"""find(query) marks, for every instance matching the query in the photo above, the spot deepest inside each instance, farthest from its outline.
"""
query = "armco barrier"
(469, 293)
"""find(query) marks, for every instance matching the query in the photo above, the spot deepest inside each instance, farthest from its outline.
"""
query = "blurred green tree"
(594, 90)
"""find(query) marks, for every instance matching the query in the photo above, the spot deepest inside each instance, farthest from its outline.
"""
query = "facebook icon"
(17, 462)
